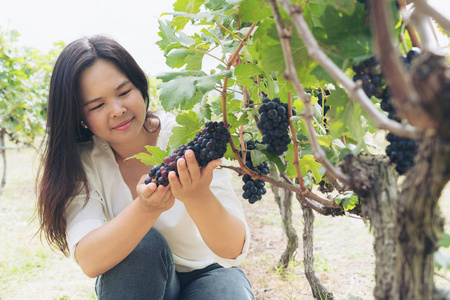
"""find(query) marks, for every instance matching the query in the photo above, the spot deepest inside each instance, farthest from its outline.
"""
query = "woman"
(183, 241)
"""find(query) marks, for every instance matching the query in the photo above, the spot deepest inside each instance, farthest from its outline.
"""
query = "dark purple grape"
(210, 143)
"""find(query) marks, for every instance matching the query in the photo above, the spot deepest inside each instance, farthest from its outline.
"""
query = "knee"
(153, 247)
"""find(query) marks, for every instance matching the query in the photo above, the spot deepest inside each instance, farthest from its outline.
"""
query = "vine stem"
(291, 74)
(224, 97)
(295, 142)
(405, 98)
(209, 54)
(227, 30)
(412, 33)
(285, 185)
(355, 90)
(225, 80)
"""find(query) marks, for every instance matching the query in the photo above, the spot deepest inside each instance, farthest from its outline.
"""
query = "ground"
(344, 259)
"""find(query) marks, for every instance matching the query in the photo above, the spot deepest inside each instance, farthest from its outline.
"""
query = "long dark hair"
(61, 174)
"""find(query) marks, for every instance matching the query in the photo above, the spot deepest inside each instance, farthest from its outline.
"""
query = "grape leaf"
(244, 71)
(154, 156)
(188, 6)
(168, 36)
(346, 6)
(307, 163)
(248, 13)
(268, 48)
(444, 241)
(189, 126)
(272, 157)
(343, 35)
(186, 90)
(257, 157)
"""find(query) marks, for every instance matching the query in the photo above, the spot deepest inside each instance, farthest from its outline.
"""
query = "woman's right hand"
(153, 198)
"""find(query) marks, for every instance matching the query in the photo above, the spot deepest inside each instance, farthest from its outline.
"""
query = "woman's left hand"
(193, 182)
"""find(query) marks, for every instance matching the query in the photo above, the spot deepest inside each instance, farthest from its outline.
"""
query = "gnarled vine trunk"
(283, 198)
(419, 224)
(375, 181)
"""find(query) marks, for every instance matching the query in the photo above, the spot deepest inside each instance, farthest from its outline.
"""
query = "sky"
(133, 23)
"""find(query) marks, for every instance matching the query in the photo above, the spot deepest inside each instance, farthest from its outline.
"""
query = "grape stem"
(291, 75)
(285, 185)
(231, 33)
(355, 90)
(224, 97)
(412, 33)
(295, 142)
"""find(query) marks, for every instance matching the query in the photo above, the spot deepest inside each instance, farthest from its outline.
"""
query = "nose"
(117, 109)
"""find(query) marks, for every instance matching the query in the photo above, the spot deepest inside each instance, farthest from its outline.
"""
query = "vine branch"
(295, 142)
(355, 90)
(291, 75)
(406, 100)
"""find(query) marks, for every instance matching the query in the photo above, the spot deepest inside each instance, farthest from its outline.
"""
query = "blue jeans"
(148, 272)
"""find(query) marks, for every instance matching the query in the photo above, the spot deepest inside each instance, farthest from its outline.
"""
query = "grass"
(343, 247)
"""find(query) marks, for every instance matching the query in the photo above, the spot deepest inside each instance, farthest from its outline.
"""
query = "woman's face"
(114, 108)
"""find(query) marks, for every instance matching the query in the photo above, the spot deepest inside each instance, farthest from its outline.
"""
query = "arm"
(103, 248)
(222, 231)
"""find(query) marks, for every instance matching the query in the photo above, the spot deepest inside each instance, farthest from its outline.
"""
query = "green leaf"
(189, 126)
(186, 91)
(155, 156)
(272, 157)
(243, 72)
(346, 6)
(268, 48)
(344, 35)
(307, 163)
(325, 140)
(254, 10)
(350, 202)
(257, 157)
(168, 36)
(444, 241)
(188, 6)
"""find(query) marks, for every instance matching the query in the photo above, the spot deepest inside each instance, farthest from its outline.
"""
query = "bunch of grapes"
(208, 145)
(369, 72)
(365, 3)
(401, 151)
(253, 189)
(274, 125)
(325, 186)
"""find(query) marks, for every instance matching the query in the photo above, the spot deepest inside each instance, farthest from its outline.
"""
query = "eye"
(98, 106)
(124, 93)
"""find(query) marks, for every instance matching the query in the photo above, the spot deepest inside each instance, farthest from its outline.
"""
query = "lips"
(124, 125)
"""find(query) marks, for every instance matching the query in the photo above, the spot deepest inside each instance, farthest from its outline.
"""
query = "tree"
(24, 78)
(342, 65)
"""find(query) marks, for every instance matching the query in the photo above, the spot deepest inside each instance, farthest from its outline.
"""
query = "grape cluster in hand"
(208, 145)
(274, 125)
(253, 189)
(401, 151)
